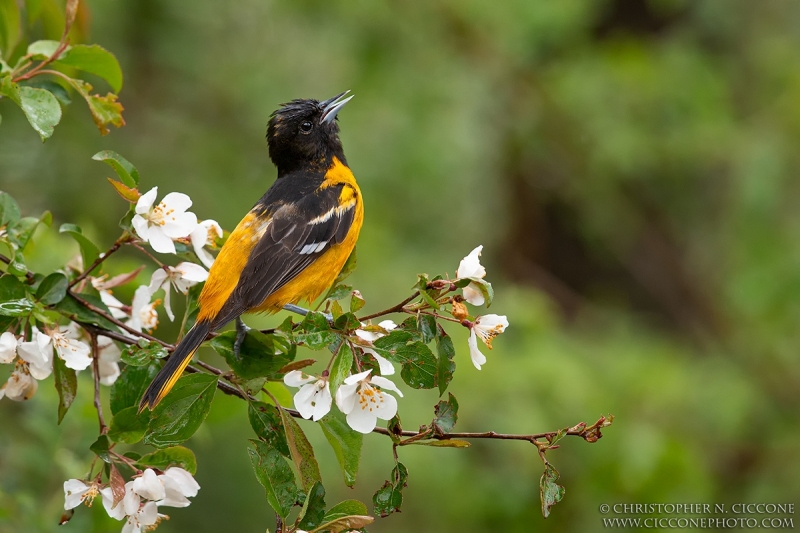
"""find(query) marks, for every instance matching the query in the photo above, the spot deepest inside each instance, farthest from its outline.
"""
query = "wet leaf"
(313, 510)
(446, 365)
(129, 426)
(66, 382)
(389, 498)
(182, 411)
(143, 353)
(41, 109)
(275, 475)
(550, 492)
(446, 415)
(340, 368)
(129, 387)
(260, 354)
(346, 443)
(172, 456)
(301, 451)
(267, 424)
(52, 289)
(347, 515)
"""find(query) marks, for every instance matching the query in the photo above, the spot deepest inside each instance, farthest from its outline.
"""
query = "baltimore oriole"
(293, 242)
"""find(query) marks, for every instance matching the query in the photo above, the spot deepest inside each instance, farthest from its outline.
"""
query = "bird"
(291, 245)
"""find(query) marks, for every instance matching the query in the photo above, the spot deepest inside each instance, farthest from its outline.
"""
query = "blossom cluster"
(34, 358)
(362, 397)
(142, 497)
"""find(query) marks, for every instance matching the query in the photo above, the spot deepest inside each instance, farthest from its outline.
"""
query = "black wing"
(297, 234)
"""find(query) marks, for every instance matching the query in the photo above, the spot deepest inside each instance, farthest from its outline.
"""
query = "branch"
(70, 13)
(28, 275)
(97, 263)
(96, 371)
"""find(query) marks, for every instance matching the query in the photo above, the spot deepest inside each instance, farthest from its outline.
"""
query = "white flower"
(386, 367)
(204, 234)
(487, 327)
(182, 277)
(8, 347)
(168, 220)
(143, 312)
(77, 492)
(313, 400)
(20, 385)
(471, 268)
(116, 307)
(148, 486)
(142, 519)
(179, 485)
(364, 404)
(75, 353)
(108, 364)
(38, 353)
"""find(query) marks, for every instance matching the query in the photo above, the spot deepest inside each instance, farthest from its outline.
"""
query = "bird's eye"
(306, 126)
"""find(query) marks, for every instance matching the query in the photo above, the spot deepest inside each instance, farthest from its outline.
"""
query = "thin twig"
(28, 274)
(95, 264)
(395, 309)
(96, 371)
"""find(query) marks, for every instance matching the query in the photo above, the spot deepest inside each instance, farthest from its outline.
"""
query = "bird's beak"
(331, 107)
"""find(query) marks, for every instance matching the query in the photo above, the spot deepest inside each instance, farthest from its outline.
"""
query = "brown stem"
(96, 263)
(70, 13)
(96, 371)
(145, 252)
(28, 275)
(396, 309)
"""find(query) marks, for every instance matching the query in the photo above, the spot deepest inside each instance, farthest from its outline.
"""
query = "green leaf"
(260, 354)
(89, 250)
(125, 170)
(21, 307)
(446, 413)
(66, 384)
(57, 89)
(9, 210)
(182, 411)
(346, 444)
(96, 60)
(345, 508)
(419, 364)
(267, 424)
(313, 511)
(446, 366)
(172, 456)
(130, 386)
(345, 516)
(340, 368)
(100, 448)
(389, 498)
(301, 451)
(22, 232)
(43, 49)
(356, 302)
(316, 333)
(550, 492)
(347, 322)
(275, 475)
(143, 353)
(129, 426)
(338, 292)
(10, 30)
(41, 108)
(52, 289)
(426, 324)
(105, 109)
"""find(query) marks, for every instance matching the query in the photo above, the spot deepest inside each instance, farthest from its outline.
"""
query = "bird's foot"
(303, 311)
(241, 333)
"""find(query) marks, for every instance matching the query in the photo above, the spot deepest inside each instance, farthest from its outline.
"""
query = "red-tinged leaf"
(296, 365)
(120, 279)
(70, 12)
(117, 484)
(127, 193)
(106, 110)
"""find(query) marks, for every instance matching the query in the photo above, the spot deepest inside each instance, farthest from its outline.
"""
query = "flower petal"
(473, 295)
(362, 420)
(178, 201)
(322, 404)
(117, 512)
(74, 490)
(157, 281)
(141, 226)
(385, 384)
(146, 201)
(478, 358)
(385, 366)
(346, 397)
(355, 378)
(185, 480)
(470, 266)
(296, 378)
(8, 347)
(148, 486)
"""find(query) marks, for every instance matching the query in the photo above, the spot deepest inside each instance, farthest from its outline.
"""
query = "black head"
(304, 132)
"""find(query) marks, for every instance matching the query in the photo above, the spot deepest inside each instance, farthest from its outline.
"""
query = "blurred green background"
(628, 165)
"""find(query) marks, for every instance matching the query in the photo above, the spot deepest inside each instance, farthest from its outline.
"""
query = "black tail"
(174, 366)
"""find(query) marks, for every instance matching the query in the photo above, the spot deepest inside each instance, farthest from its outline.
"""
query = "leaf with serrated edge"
(346, 443)
(182, 411)
(275, 475)
(66, 385)
(550, 492)
(301, 451)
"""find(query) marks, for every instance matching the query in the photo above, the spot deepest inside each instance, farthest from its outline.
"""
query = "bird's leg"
(303, 311)
(241, 333)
